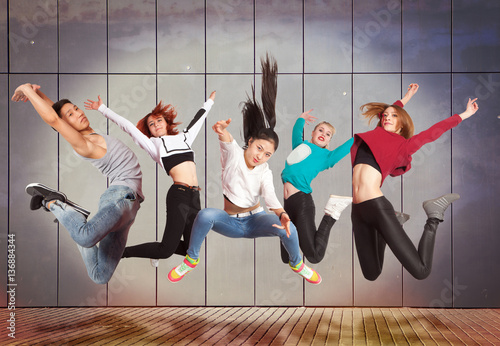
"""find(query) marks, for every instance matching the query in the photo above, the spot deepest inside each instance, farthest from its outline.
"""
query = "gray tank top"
(119, 165)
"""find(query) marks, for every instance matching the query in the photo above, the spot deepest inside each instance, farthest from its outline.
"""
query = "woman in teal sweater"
(304, 163)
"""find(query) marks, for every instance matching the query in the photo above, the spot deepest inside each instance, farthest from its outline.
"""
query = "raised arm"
(298, 127)
(436, 130)
(75, 139)
(20, 96)
(308, 117)
(412, 90)
(139, 138)
(471, 109)
(42, 95)
(220, 128)
(196, 124)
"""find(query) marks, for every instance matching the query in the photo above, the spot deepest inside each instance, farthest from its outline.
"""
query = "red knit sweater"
(392, 151)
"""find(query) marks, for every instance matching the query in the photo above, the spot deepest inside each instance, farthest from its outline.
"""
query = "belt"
(196, 188)
(248, 213)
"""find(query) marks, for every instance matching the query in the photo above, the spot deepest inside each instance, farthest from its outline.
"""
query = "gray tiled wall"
(333, 56)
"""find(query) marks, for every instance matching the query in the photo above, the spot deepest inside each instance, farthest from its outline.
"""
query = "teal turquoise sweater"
(307, 159)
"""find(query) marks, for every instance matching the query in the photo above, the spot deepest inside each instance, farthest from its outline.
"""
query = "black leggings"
(183, 204)
(300, 207)
(374, 224)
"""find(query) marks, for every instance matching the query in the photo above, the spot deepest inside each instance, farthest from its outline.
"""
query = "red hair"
(167, 112)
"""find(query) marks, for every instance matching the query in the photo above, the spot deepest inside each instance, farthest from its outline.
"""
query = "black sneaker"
(43, 194)
(37, 202)
(48, 194)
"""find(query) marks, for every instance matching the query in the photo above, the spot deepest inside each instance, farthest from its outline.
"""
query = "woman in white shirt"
(245, 178)
(156, 133)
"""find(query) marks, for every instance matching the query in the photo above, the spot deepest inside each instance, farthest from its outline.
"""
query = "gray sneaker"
(435, 208)
(402, 217)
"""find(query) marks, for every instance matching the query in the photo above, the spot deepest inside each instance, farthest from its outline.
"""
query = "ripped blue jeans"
(109, 227)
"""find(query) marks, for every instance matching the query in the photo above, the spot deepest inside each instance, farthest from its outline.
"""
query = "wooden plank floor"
(251, 326)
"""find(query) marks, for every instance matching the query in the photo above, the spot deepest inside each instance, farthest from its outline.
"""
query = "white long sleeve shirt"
(244, 186)
(170, 150)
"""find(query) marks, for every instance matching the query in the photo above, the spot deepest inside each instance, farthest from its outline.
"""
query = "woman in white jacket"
(156, 133)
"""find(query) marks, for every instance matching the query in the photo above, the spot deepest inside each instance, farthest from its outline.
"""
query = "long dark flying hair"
(259, 122)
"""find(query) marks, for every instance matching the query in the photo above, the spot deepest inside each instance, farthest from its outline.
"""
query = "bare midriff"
(289, 190)
(185, 172)
(366, 182)
(232, 209)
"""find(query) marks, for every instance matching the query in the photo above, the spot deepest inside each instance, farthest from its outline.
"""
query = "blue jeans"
(253, 226)
(109, 227)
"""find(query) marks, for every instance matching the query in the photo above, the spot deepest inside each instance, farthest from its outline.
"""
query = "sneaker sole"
(172, 280)
(315, 282)
(37, 189)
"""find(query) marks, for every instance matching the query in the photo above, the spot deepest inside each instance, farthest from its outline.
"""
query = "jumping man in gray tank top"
(118, 205)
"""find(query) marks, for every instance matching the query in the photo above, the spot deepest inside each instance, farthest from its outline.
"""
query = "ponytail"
(259, 122)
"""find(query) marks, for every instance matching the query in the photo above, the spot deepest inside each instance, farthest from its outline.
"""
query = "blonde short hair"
(327, 124)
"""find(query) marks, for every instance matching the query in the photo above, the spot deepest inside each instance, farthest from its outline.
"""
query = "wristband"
(283, 212)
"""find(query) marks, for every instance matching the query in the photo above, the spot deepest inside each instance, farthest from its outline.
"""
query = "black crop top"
(365, 155)
(170, 162)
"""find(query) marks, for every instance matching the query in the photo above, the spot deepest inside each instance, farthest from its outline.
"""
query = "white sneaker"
(154, 262)
(336, 204)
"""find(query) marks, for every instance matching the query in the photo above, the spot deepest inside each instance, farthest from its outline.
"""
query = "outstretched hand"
(212, 95)
(308, 117)
(19, 94)
(471, 109)
(412, 90)
(220, 126)
(285, 224)
(93, 105)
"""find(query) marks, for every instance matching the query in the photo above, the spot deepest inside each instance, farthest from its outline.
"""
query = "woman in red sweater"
(384, 151)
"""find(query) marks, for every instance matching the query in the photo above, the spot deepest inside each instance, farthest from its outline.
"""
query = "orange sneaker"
(307, 273)
(177, 273)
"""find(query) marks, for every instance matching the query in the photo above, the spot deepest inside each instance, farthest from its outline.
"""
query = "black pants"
(374, 224)
(183, 204)
(300, 207)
